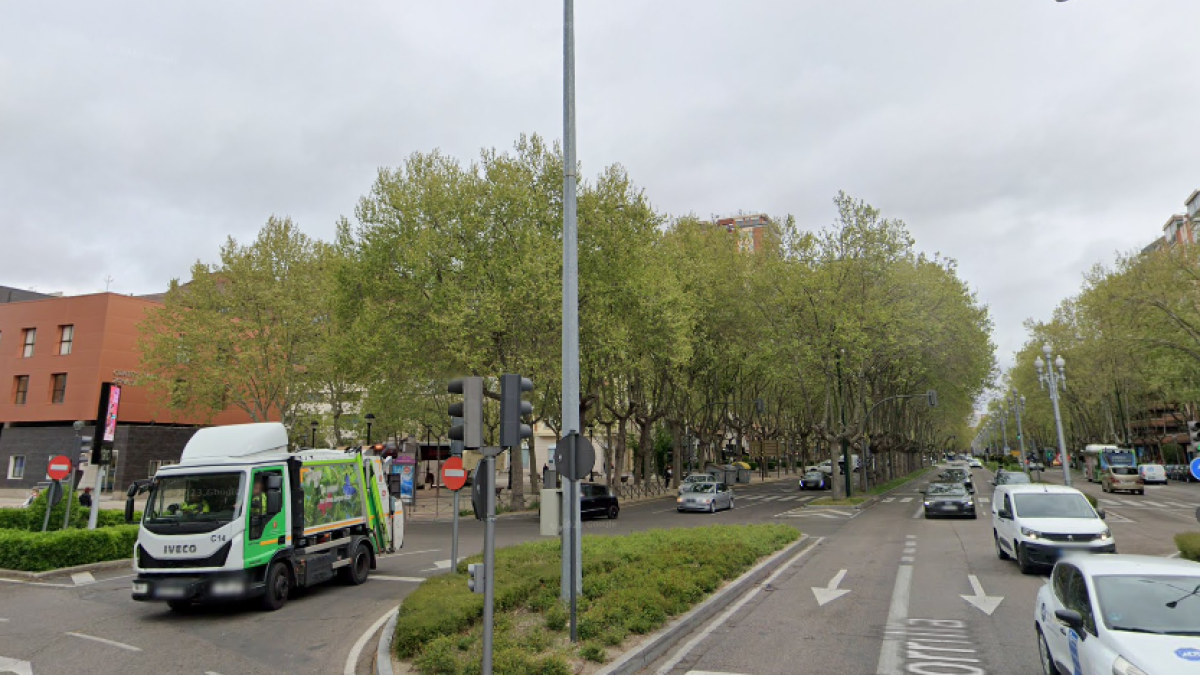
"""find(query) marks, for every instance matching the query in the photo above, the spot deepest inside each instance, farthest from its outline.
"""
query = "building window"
(21, 389)
(156, 464)
(58, 384)
(30, 338)
(16, 467)
(66, 338)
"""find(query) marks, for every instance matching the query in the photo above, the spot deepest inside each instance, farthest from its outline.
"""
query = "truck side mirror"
(132, 491)
(1100, 512)
(274, 482)
(274, 501)
(129, 508)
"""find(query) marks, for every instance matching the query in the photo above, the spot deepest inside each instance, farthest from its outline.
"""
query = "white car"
(1037, 524)
(1119, 614)
(975, 464)
(1153, 473)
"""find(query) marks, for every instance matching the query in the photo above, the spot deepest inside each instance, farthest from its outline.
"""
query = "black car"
(596, 500)
(960, 476)
(815, 480)
(1011, 478)
(948, 499)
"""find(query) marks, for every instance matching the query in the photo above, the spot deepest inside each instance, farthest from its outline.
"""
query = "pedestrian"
(85, 498)
(33, 495)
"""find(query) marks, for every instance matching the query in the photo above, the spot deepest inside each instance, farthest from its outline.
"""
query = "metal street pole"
(1017, 403)
(489, 562)
(1052, 380)
(1004, 429)
(571, 545)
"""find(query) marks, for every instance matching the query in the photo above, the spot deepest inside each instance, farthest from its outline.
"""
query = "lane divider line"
(110, 643)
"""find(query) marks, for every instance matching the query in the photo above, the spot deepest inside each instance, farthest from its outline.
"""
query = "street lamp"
(1004, 426)
(370, 418)
(1017, 403)
(313, 442)
(1052, 377)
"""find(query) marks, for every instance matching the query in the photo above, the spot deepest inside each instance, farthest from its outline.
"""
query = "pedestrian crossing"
(763, 499)
(1140, 503)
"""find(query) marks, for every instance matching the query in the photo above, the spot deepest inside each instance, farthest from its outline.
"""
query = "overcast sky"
(1026, 138)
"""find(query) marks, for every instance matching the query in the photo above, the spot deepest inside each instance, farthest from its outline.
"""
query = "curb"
(383, 649)
(658, 643)
(90, 567)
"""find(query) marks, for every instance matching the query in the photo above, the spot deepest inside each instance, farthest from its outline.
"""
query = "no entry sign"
(60, 467)
(454, 476)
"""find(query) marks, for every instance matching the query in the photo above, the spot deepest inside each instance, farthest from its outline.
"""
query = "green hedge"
(633, 585)
(1188, 544)
(42, 551)
(30, 519)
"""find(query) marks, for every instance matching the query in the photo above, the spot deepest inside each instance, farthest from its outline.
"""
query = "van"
(1038, 524)
(1153, 473)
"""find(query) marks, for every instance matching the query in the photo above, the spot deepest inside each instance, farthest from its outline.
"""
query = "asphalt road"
(91, 625)
(904, 611)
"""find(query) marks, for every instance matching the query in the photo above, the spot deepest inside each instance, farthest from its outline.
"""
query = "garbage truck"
(240, 516)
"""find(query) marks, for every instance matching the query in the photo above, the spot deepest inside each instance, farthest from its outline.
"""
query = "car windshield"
(1053, 505)
(950, 489)
(193, 503)
(1011, 478)
(702, 487)
(695, 479)
(814, 474)
(1150, 604)
(1124, 471)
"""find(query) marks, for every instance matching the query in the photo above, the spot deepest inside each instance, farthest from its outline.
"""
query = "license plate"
(170, 593)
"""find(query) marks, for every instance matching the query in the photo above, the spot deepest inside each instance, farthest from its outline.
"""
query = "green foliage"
(1092, 500)
(594, 652)
(31, 517)
(1188, 544)
(897, 482)
(634, 584)
(39, 552)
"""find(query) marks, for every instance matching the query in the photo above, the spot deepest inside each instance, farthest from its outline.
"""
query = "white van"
(1037, 524)
(1153, 473)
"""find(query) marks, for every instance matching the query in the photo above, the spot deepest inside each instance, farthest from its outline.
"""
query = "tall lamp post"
(370, 418)
(1052, 377)
(313, 442)
(1017, 403)
(1004, 427)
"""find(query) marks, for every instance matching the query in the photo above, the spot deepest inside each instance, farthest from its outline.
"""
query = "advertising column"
(102, 445)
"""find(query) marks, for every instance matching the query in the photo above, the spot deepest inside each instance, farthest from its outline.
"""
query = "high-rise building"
(751, 229)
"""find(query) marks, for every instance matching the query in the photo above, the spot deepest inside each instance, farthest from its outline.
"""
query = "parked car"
(1011, 478)
(948, 499)
(1120, 614)
(815, 480)
(1153, 473)
(1122, 479)
(596, 500)
(1037, 524)
(711, 497)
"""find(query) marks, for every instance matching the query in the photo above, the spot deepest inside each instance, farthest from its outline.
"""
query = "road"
(91, 625)
(904, 611)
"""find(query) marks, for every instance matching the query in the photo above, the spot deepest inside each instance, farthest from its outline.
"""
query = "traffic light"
(476, 577)
(931, 398)
(513, 409)
(456, 447)
(470, 409)
(1194, 433)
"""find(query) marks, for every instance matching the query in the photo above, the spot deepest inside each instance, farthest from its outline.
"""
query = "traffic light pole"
(489, 562)
(571, 545)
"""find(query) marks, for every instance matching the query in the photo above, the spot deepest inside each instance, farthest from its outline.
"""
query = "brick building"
(752, 229)
(55, 352)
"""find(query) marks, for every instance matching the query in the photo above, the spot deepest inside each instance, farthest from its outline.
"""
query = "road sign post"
(58, 469)
(454, 477)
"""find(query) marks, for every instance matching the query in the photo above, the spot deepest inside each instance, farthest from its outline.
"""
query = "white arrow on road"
(8, 665)
(439, 566)
(831, 592)
(984, 603)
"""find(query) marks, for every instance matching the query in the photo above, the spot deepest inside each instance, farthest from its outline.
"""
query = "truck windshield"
(193, 503)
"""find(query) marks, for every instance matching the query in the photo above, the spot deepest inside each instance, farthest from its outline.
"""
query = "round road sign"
(1195, 467)
(60, 467)
(454, 476)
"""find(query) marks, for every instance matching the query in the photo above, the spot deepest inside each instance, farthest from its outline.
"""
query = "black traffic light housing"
(1194, 433)
(470, 409)
(513, 409)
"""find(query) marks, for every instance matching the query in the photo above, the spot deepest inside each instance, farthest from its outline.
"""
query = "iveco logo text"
(179, 548)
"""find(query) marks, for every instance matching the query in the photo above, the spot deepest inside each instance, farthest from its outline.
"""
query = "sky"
(1028, 139)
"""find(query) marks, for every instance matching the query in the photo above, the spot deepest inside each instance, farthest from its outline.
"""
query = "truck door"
(266, 517)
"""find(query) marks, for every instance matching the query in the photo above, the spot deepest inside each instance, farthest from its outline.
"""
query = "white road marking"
(771, 498)
(787, 499)
(1177, 505)
(906, 500)
(1154, 504)
(83, 578)
(984, 500)
(111, 643)
(889, 652)
(910, 551)
(981, 600)
(8, 665)
(397, 555)
(720, 620)
(211, 672)
(889, 500)
(384, 577)
(910, 536)
(831, 592)
(352, 658)
(439, 565)
(919, 512)
(35, 583)
(1118, 518)
(907, 559)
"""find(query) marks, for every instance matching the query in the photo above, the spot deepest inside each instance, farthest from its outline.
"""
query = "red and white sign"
(60, 467)
(454, 476)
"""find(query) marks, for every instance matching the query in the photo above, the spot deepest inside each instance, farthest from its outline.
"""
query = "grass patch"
(830, 501)
(1188, 544)
(897, 482)
(633, 584)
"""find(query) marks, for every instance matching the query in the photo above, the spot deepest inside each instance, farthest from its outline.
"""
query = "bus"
(1097, 459)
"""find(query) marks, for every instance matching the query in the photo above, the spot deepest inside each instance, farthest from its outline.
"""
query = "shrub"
(30, 518)
(42, 551)
(1188, 544)
(593, 652)
(1092, 500)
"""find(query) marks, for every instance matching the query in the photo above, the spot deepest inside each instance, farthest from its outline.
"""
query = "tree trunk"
(516, 482)
(622, 436)
(533, 469)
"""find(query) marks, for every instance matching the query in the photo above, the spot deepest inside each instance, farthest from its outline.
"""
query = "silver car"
(709, 497)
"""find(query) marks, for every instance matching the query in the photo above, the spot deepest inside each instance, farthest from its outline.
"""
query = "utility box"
(551, 512)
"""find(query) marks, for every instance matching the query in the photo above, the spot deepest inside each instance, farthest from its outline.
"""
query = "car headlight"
(970, 503)
(1032, 534)
(679, 500)
(1106, 535)
(928, 503)
(1123, 667)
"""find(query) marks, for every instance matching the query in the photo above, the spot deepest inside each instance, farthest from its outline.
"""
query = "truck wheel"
(359, 569)
(278, 588)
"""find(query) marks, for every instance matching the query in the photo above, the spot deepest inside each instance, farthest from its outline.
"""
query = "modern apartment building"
(55, 352)
(752, 229)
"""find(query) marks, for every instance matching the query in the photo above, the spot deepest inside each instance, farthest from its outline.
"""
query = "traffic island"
(633, 585)
(830, 501)
(1188, 544)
